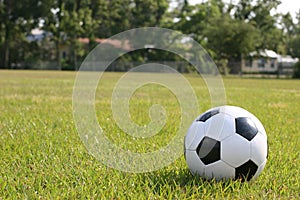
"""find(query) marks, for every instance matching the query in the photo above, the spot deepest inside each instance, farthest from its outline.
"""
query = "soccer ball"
(226, 142)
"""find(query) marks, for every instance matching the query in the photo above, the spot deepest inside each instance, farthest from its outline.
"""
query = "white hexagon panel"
(194, 163)
(259, 149)
(191, 133)
(235, 150)
(194, 135)
(234, 111)
(219, 170)
(220, 126)
(260, 169)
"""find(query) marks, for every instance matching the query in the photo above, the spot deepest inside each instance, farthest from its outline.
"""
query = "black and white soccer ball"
(226, 142)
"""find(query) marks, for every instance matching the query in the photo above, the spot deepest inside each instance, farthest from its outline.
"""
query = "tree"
(270, 34)
(116, 18)
(130, 14)
(226, 31)
(244, 10)
(148, 13)
(230, 39)
(293, 35)
(288, 31)
(18, 18)
(191, 20)
(72, 23)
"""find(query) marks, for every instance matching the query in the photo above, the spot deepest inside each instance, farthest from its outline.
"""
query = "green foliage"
(227, 31)
(270, 35)
(42, 156)
(231, 38)
(17, 20)
(297, 70)
(295, 46)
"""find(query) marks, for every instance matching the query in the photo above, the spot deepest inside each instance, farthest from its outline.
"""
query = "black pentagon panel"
(208, 115)
(246, 171)
(209, 150)
(245, 127)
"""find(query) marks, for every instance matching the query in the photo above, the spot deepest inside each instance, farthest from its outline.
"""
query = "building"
(286, 64)
(268, 62)
(68, 54)
(265, 61)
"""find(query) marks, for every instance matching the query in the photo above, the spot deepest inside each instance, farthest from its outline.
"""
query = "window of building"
(249, 62)
(261, 62)
(272, 62)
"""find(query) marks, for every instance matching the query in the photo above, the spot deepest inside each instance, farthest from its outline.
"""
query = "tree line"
(227, 31)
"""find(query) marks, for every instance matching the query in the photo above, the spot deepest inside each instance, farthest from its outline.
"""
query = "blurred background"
(242, 37)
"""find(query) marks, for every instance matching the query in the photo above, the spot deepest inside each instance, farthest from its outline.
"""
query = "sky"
(291, 6)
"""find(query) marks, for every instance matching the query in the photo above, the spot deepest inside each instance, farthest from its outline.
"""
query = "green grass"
(42, 155)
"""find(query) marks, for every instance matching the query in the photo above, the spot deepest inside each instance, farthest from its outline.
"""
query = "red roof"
(122, 44)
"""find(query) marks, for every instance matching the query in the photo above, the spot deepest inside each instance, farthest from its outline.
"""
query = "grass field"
(43, 157)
